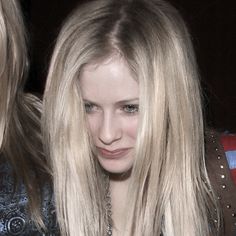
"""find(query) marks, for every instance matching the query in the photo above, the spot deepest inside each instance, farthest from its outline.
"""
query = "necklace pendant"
(109, 231)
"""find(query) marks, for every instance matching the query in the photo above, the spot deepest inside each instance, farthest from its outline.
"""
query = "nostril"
(108, 140)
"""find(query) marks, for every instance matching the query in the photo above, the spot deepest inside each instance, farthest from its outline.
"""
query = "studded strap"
(224, 187)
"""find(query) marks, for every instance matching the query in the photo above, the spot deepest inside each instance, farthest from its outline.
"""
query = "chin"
(116, 167)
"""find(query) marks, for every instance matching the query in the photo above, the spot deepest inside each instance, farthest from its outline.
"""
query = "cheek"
(131, 128)
(92, 125)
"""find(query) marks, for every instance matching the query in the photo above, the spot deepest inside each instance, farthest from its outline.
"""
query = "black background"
(212, 24)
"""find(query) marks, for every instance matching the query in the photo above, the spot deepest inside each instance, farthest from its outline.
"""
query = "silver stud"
(222, 176)
(219, 197)
(233, 215)
(221, 167)
(216, 149)
(228, 206)
(215, 220)
(218, 157)
(223, 186)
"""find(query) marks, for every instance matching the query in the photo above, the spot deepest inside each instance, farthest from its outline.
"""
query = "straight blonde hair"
(20, 138)
(170, 192)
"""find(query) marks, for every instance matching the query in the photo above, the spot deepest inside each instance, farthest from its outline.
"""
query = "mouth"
(113, 154)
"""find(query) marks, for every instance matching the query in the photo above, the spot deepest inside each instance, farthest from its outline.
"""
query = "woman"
(26, 206)
(123, 124)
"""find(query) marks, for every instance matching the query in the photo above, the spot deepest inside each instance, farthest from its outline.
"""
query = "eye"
(89, 107)
(131, 108)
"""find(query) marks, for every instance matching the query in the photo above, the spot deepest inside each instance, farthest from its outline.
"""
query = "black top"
(14, 218)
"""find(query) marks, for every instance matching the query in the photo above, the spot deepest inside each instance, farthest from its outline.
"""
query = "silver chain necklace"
(108, 207)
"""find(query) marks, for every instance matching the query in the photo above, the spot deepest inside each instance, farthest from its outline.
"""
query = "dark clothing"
(222, 183)
(14, 217)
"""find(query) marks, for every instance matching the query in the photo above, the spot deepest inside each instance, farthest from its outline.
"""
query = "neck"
(118, 189)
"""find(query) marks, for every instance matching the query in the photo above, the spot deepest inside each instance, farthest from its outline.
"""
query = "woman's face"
(111, 99)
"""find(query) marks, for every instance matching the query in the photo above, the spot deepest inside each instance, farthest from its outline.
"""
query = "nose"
(110, 129)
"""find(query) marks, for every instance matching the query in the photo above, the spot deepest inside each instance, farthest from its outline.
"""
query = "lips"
(114, 154)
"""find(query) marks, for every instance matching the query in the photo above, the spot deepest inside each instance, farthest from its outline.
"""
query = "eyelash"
(89, 107)
(129, 108)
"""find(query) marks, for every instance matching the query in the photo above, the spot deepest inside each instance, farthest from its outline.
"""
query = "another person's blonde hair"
(20, 139)
(169, 190)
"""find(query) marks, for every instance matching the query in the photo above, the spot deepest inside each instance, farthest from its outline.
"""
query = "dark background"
(212, 24)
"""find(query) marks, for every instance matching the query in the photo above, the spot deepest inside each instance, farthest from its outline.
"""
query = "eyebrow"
(128, 100)
(118, 102)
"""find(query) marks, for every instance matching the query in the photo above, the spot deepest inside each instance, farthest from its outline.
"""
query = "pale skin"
(111, 97)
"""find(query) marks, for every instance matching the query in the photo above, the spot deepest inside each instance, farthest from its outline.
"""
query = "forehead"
(110, 79)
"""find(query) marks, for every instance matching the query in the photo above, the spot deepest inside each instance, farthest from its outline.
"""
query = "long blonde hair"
(170, 187)
(13, 59)
(20, 138)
